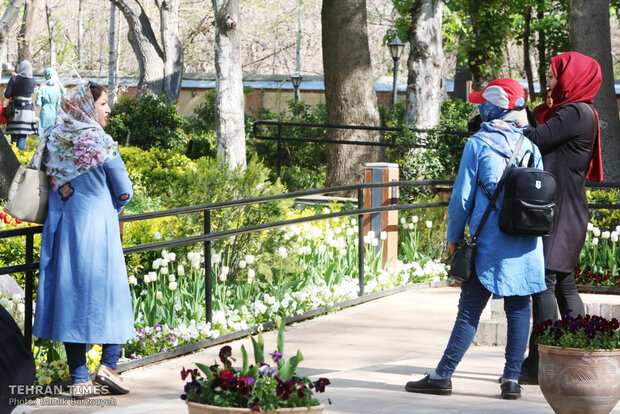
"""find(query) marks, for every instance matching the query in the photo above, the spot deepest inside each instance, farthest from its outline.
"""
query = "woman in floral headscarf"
(83, 295)
(570, 143)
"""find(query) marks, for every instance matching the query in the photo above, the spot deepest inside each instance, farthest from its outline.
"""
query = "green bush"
(427, 156)
(212, 182)
(307, 157)
(147, 121)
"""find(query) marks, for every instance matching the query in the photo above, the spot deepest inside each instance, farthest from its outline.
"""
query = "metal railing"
(208, 236)
(281, 140)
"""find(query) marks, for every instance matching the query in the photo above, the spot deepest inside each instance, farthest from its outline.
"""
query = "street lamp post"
(396, 48)
(296, 80)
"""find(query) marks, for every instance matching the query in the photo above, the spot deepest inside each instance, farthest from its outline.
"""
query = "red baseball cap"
(503, 92)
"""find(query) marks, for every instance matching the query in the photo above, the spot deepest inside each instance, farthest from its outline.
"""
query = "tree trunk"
(350, 95)
(425, 64)
(51, 32)
(172, 46)
(229, 98)
(8, 166)
(543, 65)
(25, 33)
(527, 15)
(80, 33)
(112, 56)
(590, 35)
(152, 58)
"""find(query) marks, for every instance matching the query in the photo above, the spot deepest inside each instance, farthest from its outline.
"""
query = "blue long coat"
(83, 294)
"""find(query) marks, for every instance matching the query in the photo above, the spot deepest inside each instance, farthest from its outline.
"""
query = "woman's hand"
(452, 247)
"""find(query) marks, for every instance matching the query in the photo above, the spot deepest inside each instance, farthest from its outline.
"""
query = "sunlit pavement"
(368, 352)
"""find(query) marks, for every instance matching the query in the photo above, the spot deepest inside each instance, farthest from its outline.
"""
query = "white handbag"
(29, 192)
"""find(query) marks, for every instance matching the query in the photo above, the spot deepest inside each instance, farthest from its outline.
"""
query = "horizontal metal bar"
(327, 141)
(283, 196)
(19, 268)
(269, 226)
(22, 231)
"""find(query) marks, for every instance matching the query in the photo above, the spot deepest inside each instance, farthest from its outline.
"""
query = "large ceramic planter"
(195, 408)
(576, 381)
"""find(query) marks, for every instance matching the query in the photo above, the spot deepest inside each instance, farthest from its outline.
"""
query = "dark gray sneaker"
(430, 386)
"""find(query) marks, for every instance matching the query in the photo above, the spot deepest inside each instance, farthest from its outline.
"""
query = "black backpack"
(529, 199)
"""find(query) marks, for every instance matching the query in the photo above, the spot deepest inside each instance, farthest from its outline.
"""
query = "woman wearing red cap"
(569, 141)
(507, 266)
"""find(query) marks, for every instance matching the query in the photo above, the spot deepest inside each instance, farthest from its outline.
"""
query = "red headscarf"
(579, 79)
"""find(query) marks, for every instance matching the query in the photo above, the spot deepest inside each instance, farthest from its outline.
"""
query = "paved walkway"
(367, 351)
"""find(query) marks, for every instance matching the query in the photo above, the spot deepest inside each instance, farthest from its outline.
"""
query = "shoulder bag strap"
(498, 190)
(37, 157)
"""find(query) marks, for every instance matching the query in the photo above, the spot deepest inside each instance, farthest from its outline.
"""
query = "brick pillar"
(377, 172)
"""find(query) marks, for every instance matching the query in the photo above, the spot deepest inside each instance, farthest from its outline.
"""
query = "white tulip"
(282, 252)
(590, 226)
(159, 295)
(249, 258)
(403, 220)
(429, 224)
(596, 231)
(163, 270)
(353, 222)
(614, 236)
(152, 276)
(180, 270)
(605, 235)
(164, 262)
(132, 280)
(242, 264)
(415, 219)
(251, 275)
(215, 258)
(618, 229)
(374, 241)
(172, 257)
(172, 278)
(595, 242)
(410, 226)
(322, 248)
(223, 278)
(164, 254)
(225, 271)
(172, 285)
(157, 235)
(156, 264)
(383, 235)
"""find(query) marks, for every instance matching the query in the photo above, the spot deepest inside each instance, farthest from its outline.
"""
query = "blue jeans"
(76, 359)
(20, 140)
(474, 298)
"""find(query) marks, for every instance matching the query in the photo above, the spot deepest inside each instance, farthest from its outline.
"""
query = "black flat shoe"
(510, 390)
(528, 377)
(430, 386)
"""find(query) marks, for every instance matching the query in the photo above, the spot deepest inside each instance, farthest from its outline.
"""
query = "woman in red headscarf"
(569, 140)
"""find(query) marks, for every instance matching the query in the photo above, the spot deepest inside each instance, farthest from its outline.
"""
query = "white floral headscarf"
(78, 143)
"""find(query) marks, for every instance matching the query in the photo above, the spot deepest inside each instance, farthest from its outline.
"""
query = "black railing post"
(29, 293)
(208, 275)
(360, 239)
(279, 150)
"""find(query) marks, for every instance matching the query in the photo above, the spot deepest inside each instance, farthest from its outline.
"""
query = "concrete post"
(387, 221)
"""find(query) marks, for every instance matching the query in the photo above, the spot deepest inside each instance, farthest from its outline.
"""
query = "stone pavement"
(368, 352)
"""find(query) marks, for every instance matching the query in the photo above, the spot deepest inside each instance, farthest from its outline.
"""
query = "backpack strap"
(498, 189)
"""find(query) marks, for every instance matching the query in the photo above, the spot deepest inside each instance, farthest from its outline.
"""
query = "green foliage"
(432, 155)
(604, 218)
(200, 128)
(305, 158)
(147, 121)
(210, 181)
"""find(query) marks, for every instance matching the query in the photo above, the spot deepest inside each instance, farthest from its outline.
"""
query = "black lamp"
(396, 48)
(296, 80)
